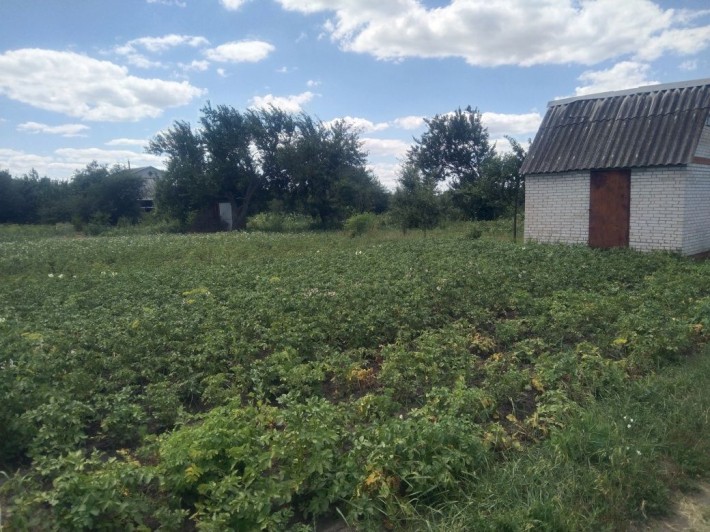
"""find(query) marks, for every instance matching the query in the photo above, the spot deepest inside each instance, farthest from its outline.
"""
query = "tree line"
(95, 194)
(268, 160)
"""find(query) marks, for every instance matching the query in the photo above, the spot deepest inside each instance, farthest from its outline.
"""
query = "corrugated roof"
(650, 126)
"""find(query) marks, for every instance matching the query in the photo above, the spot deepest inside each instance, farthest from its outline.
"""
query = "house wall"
(696, 230)
(657, 204)
(670, 207)
(557, 207)
(703, 149)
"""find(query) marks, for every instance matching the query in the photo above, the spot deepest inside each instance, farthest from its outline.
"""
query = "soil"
(690, 513)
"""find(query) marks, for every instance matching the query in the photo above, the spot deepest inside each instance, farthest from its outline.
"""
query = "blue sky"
(84, 80)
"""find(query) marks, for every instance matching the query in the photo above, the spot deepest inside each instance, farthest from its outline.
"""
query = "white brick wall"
(670, 207)
(696, 230)
(557, 208)
(703, 149)
(657, 202)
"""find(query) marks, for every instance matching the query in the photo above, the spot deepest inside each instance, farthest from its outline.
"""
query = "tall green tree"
(249, 157)
(416, 203)
(184, 187)
(454, 149)
(323, 164)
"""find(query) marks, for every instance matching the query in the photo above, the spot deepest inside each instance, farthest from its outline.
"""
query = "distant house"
(623, 169)
(150, 176)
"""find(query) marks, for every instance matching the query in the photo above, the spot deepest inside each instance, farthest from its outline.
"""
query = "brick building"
(623, 169)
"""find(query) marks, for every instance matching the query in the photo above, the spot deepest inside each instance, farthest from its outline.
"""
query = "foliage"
(454, 149)
(360, 224)
(253, 157)
(416, 203)
(276, 222)
(96, 196)
(265, 380)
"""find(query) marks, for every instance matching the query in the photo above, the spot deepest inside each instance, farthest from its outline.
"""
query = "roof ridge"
(636, 90)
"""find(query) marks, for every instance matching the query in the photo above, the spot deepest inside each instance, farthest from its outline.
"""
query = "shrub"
(274, 222)
(360, 224)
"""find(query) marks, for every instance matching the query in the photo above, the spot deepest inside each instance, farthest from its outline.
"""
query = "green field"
(421, 381)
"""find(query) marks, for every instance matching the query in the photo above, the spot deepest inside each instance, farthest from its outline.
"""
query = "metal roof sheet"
(650, 126)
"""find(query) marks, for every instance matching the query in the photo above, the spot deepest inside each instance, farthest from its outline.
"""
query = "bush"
(360, 224)
(275, 222)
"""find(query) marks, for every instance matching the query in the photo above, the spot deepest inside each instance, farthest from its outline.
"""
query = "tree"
(10, 200)
(415, 203)
(251, 157)
(325, 167)
(184, 187)
(454, 149)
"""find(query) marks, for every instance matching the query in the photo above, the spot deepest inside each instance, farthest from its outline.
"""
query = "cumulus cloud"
(689, 65)
(232, 5)
(62, 163)
(179, 3)
(624, 75)
(290, 104)
(80, 86)
(240, 52)
(161, 44)
(361, 124)
(386, 173)
(313, 83)
(132, 50)
(65, 130)
(396, 148)
(510, 124)
(199, 66)
(127, 142)
(510, 32)
(409, 122)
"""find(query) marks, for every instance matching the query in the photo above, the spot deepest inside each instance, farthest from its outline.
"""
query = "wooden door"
(609, 202)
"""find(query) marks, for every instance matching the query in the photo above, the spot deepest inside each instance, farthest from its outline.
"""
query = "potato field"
(247, 381)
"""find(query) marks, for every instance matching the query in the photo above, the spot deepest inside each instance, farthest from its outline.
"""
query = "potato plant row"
(254, 381)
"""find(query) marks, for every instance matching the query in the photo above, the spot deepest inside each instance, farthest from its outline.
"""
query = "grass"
(442, 380)
(617, 462)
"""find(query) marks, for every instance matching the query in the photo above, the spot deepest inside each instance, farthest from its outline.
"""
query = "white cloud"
(161, 44)
(200, 66)
(222, 72)
(386, 173)
(65, 130)
(141, 61)
(503, 145)
(290, 104)
(377, 148)
(624, 75)
(689, 65)
(409, 122)
(156, 45)
(127, 142)
(313, 83)
(240, 52)
(510, 124)
(179, 3)
(232, 5)
(83, 87)
(510, 32)
(361, 124)
(62, 163)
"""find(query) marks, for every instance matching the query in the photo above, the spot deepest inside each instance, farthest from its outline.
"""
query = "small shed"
(623, 169)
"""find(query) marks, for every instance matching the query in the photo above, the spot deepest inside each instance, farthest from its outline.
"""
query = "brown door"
(609, 201)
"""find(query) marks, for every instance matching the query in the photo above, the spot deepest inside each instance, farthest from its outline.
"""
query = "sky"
(94, 80)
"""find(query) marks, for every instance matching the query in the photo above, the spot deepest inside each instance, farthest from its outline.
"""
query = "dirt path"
(690, 513)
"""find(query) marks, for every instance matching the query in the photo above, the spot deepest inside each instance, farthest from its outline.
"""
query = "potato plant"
(267, 381)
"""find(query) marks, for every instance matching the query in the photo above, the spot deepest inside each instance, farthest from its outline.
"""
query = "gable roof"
(658, 125)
